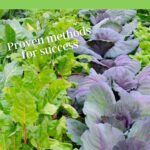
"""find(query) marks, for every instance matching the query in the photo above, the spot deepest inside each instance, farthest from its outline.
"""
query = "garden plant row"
(94, 96)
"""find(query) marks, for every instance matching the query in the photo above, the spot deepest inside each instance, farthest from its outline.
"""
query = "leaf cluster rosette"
(111, 34)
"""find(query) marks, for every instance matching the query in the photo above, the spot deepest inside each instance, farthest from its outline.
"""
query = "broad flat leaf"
(144, 73)
(50, 109)
(72, 112)
(65, 64)
(132, 144)
(144, 102)
(121, 16)
(79, 38)
(129, 28)
(75, 130)
(123, 114)
(39, 135)
(105, 34)
(101, 137)
(84, 85)
(10, 34)
(7, 35)
(99, 99)
(84, 49)
(107, 23)
(84, 57)
(24, 109)
(144, 81)
(56, 88)
(5, 121)
(47, 75)
(83, 12)
(141, 130)
(93, 72)
(75, 79)
(132, 65)
(109, 44)
(108, 63)
(122, 47)
(10, 70)
(100, 15)
(100, 47)
(57, 128)
(21, 32)
(122, 77)
(57, 145)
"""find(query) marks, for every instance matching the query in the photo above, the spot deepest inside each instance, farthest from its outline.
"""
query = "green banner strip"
(28, 4)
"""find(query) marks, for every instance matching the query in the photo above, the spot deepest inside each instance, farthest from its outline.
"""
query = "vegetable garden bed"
(74, 80)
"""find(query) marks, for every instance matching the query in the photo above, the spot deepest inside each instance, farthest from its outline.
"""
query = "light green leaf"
(56, 145)
(24, 109)
(10, 34)
(56, 88)
(71, 110)
(65, 64)
(39, 135)
(84, 57)
(47, 75)
(50, 109)
(57, 128)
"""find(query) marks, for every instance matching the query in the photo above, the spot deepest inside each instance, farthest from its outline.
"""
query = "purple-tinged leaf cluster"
(115, 96)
